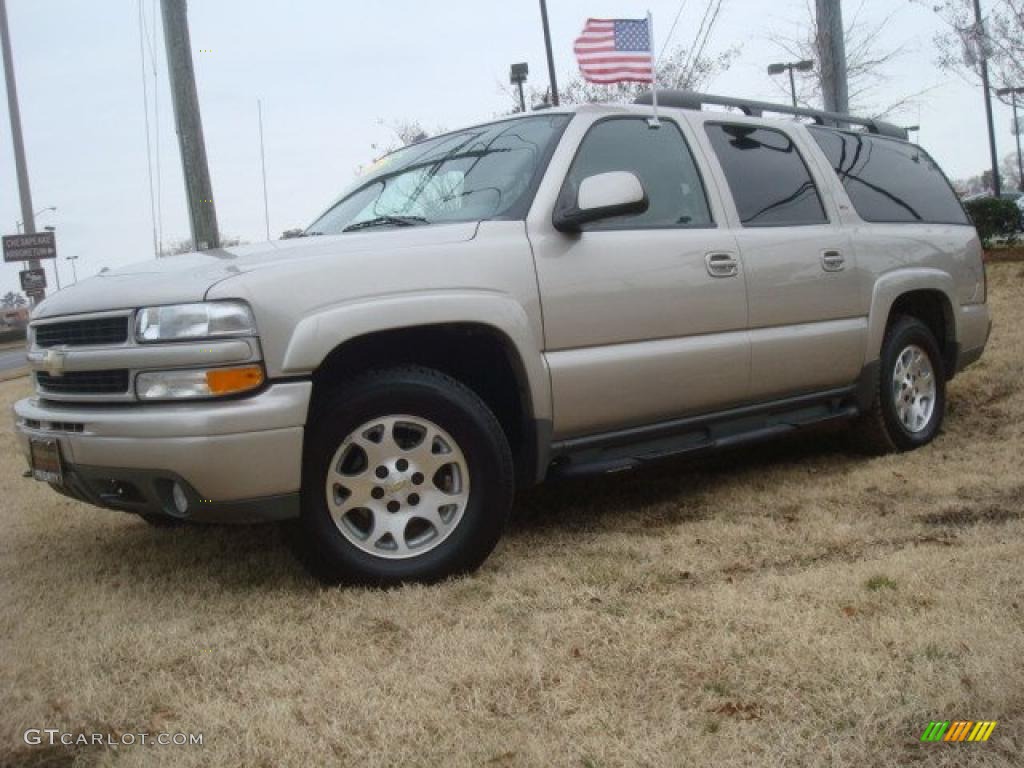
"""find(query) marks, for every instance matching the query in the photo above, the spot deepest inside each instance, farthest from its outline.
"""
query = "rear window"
(890, 181)
(767, 176)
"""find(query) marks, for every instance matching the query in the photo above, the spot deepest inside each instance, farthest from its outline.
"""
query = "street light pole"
(74, 269)
(1013, 93)
(517, 76)
(799, 66)
(551, 58)
(36, 213)
(56, 262)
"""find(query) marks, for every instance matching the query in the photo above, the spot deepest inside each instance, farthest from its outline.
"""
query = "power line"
(263, 166)
(696, 39)
(145, 111)
(672, 29)
(156, 130)
(707, 32)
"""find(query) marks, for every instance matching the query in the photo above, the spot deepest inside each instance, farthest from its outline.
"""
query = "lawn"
(797, 604)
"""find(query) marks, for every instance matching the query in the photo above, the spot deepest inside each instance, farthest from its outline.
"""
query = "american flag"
(615, 51)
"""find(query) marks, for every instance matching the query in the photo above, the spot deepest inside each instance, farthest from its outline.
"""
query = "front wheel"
(407, 476)
(910, 394)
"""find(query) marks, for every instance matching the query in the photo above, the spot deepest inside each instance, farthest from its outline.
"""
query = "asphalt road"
(11, 359)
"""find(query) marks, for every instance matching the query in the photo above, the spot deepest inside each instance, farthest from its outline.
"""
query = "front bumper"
(237, 460)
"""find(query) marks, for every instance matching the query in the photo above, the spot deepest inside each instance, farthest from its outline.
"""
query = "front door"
(644, 315)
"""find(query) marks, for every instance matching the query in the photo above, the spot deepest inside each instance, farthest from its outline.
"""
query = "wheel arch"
(926, 294)
(492, 350)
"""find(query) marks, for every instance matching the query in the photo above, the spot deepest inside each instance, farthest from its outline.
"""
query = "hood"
(188, 277)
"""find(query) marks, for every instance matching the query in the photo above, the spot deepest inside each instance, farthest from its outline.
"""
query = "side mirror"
(616, 193)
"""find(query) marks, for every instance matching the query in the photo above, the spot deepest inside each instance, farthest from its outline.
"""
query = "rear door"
(807, 324)
(637, 328)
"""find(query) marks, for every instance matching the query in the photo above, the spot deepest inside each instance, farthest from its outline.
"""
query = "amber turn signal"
(230, 381)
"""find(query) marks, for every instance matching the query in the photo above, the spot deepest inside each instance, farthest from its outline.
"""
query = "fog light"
(180, 499)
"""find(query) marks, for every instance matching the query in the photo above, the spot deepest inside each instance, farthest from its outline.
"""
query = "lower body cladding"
(231, 461)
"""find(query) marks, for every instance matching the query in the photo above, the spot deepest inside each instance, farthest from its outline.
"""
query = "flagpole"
(653, 122)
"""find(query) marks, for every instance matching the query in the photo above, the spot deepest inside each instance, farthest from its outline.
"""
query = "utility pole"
(198, 189)
(551, 58)
(21, 167)
(831, 43)
(1013, 93)
(982, 52)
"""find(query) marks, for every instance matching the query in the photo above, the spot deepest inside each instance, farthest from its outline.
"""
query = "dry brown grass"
(795, 605)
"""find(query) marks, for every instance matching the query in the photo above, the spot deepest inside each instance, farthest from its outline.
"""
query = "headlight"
(181, 322)
(190, 385)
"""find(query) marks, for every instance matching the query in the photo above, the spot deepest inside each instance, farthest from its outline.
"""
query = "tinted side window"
(768, 178)
(888, 180)
(660, 158)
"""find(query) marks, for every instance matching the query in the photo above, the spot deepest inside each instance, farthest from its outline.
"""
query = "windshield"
(480, 173)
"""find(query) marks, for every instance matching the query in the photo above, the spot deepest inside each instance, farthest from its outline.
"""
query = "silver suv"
(559, 293)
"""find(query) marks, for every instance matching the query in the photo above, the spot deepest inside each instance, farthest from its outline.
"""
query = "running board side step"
(632, 448)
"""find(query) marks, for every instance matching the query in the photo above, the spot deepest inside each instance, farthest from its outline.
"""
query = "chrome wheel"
(397, 486)
(914, 388)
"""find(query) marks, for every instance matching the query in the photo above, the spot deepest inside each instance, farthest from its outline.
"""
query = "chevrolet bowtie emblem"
(53, 362)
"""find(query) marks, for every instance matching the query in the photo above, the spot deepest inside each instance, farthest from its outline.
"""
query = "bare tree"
(12, 300)
(403, 133)
(961, 45)
(867, 61)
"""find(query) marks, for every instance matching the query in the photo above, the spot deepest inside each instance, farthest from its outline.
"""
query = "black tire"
(164, 521)
(427, 394)
(879, 430)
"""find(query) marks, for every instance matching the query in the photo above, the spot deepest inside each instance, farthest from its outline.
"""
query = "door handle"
(833, 261)
(722, 264)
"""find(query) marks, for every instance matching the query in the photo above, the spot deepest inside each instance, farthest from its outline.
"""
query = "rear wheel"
(407, 477)
(910, 394)
(163, 521)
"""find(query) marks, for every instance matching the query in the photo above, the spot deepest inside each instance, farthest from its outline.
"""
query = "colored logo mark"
(959, 730)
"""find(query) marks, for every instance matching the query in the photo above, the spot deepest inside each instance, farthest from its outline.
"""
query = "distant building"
(14, 317)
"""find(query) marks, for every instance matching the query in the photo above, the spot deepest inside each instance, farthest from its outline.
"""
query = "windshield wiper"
(384, 221)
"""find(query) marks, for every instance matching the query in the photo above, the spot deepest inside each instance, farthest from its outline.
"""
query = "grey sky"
(327, 72)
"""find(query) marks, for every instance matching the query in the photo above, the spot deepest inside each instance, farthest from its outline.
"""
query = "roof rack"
(694, 100)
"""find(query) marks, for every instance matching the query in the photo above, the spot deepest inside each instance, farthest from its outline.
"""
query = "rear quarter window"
(890, 181)
(768, 178)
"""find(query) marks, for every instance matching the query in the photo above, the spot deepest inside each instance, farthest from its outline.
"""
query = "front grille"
(85, 382)
(81, 333)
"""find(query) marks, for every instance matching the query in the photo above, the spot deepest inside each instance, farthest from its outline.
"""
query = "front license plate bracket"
(46, 462)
